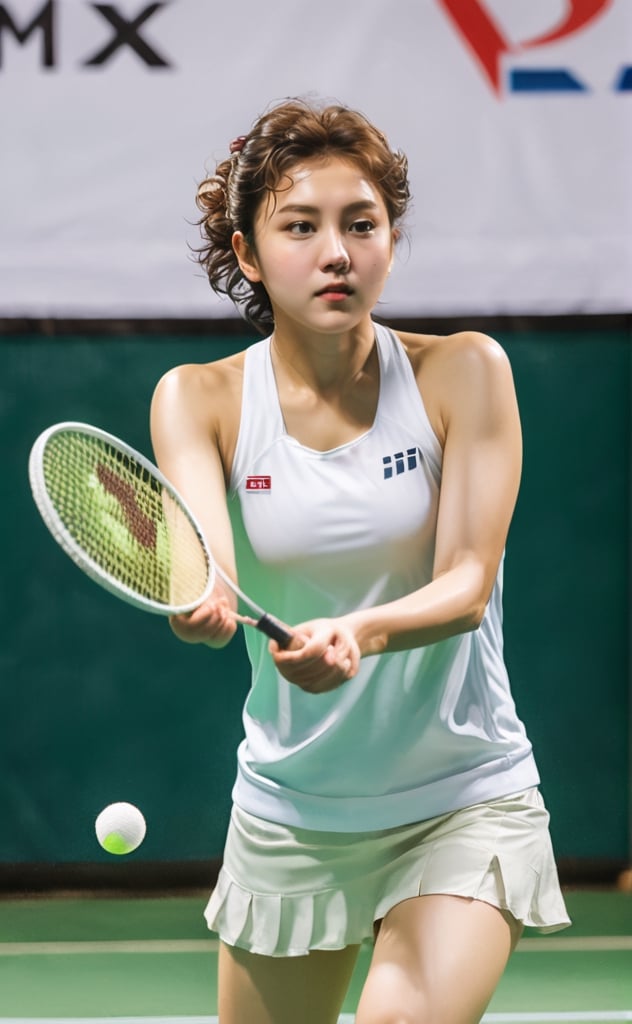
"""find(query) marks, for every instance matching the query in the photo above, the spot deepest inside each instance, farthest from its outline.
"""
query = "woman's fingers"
(325, 657)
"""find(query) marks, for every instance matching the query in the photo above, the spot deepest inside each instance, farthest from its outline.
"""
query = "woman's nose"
(335, 255)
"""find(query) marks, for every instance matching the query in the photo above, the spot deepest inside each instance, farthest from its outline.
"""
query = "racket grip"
(272, 628)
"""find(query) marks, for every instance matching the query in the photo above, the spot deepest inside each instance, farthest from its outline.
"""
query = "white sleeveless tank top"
(415, 733)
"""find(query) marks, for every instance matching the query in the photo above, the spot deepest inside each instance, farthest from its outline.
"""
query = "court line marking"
(113, 946)
(581, 943)
(540, 1017)
(575, 944)
(570, 1015)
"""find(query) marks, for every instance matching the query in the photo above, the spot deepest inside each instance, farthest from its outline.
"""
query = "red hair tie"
(238, 144)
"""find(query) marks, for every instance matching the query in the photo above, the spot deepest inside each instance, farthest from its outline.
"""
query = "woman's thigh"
(256, 989)
(437, 958)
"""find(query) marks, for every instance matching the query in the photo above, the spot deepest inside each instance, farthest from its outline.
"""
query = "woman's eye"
(300, 227)
(362, 227)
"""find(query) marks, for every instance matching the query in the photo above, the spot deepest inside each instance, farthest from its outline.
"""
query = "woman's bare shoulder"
(440, 349)
(199, 402)
(448, 368)
(204, 393)
(214, 379)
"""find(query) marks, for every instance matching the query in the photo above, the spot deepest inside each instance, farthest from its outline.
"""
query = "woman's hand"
(323, 656)
(213, 623)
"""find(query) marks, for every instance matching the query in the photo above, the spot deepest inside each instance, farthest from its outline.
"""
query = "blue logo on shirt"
(401, 461)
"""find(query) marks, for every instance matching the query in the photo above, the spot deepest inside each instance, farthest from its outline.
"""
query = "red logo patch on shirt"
(259, 483)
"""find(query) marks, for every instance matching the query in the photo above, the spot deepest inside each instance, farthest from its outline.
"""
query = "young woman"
(385, 784)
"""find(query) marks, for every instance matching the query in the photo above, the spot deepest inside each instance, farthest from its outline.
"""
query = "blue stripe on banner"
(624, 81)
(544, 80)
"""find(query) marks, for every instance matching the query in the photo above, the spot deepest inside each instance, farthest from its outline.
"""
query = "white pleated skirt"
(284, 891)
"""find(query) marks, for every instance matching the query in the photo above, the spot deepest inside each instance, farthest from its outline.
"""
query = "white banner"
(515, 115)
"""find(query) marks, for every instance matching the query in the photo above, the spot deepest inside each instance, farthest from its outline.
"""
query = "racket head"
(119, 519)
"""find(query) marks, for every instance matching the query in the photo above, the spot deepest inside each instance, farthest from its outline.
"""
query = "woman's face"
(323, 246)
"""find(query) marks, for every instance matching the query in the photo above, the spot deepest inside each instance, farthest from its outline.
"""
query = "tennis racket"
(121, 521)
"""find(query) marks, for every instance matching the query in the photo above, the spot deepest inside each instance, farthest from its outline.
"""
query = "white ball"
(120, 828)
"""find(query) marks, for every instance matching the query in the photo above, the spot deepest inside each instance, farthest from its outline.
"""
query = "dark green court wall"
(98, 702)
(567, 582)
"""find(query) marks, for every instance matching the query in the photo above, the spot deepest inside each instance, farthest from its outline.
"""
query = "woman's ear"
(245, 257)
(394, 239)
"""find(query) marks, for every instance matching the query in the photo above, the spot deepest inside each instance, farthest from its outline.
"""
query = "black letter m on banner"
(43, 21)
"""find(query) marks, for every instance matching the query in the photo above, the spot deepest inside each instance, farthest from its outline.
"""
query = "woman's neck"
(321, 362)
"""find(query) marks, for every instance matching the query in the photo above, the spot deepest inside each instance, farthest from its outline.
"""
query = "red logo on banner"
(488, 42)
(259, 483)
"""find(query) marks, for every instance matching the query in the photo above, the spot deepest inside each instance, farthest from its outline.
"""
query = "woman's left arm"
(477, 416)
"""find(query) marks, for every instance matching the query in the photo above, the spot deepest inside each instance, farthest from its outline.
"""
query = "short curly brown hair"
(289, 133)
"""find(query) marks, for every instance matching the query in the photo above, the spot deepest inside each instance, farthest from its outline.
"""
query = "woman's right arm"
(190, 407)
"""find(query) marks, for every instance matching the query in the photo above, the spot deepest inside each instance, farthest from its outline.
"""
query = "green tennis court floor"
(152, 961)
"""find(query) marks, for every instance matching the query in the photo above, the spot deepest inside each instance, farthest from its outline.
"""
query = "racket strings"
(124, 520)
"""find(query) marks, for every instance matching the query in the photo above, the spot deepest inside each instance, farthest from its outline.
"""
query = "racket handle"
(272, 628)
